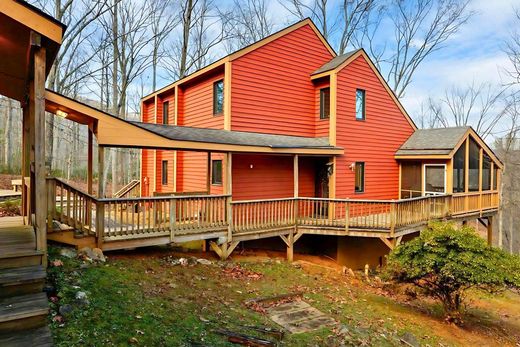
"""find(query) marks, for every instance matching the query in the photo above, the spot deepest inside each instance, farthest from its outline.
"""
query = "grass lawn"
(140, 298)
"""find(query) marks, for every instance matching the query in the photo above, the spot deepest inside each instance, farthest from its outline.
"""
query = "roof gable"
(245, 50)
(335, 65)
(441, 143)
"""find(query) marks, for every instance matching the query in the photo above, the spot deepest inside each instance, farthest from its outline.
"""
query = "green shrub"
(445, 262)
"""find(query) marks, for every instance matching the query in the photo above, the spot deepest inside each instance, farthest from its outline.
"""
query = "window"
(486, 172)
(411, 179)
(164, 172)
(218, 97)
(324, 103)
(360, 177)
(474, 163)
(434, 179)
(495, 177)
(360, 104)
(459, 175)
(165, 112)
(216, 172)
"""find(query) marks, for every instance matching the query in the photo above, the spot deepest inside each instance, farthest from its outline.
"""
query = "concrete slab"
(299, 317)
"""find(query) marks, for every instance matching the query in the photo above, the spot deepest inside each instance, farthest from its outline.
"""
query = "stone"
(204, 261)
(183, 261)
(65, 310)
(192, 261)
(98, 255)
(86, 253)
(68, 253)
(81, 298)
(410, 338)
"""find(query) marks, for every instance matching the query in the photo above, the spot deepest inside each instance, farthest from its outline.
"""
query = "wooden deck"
(15, 237)
(136, 222)
(9, 194)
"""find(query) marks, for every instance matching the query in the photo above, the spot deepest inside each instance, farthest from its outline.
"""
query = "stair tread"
(23, 306)
(20, 253)
(18, 275)
(40, 337)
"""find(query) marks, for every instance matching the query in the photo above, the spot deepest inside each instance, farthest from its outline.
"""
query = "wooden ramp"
(23, 304)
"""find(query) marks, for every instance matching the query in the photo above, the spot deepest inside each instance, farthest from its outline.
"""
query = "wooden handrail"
(122, 218)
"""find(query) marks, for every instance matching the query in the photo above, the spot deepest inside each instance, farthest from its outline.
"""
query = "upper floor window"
(218, 97)
(216, 172)
(459, 170)
(474, 165)
(165, 112)
(164, 174)
(324, 103)
(360, 177)
(360, 104)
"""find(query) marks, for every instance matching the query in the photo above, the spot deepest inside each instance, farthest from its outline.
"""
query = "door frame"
(425, 192)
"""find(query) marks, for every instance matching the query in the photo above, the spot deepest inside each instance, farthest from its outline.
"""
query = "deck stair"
(132, 185)
(23, 304)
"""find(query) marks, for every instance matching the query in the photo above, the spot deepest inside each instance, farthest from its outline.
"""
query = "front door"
(322, 182)
(434, 179)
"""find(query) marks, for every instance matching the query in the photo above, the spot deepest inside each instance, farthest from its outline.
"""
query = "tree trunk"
(8, 135)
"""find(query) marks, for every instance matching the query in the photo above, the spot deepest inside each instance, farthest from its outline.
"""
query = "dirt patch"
(237, 272)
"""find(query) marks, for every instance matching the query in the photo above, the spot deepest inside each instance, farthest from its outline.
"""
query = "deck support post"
(490, 230)
(37, 107)
(289, 241)
(26, 163)
(208, 175)
(101, 170)
(224, 250)
(90, 150)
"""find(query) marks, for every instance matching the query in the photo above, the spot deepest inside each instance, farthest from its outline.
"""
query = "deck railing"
(129, 218)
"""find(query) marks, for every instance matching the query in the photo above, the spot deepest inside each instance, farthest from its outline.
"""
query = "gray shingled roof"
(335, 62)
(182, 133)
(432, 141)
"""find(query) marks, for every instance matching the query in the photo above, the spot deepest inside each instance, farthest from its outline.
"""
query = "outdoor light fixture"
(62, 114)
(250, 166)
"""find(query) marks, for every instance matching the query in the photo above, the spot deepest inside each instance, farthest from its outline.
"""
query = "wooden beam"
(26, 163)
(90, 150)
(101, 170)
(387, 242)
(290, 247)
(228, 188)
(333, 108)
(208, 174)
(227, 95)
(39, 149)
(295, 175)
(490, 230)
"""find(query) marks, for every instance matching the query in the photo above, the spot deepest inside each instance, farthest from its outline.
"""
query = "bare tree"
(348, 18)
(512, 50)
(251, 22)
(421, 27)
(204, 28)
(481, 106)
(161, 23)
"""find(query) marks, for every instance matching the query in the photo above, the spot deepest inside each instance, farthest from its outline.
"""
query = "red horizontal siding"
(147, 157)
(148, 111)
(373, 141)
(197, 104)
(192, 171)
(169, 157)
(271, 87)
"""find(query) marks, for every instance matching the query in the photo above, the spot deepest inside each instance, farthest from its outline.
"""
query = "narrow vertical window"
(486, 172)
(218, 97)
(216, 172)
(324, 103)
(165, 112)
(164, 172)
(360, 104)
(474, 165)
(459, 173)
(495, 177)
(360, 177)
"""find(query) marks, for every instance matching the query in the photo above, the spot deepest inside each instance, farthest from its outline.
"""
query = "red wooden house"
(336, 125)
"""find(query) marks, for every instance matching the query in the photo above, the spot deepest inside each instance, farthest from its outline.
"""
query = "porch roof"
(234, 137)
(439, 141)
(19, 21)
(116, 132)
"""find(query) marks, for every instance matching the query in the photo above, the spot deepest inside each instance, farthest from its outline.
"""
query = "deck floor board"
(15, 237)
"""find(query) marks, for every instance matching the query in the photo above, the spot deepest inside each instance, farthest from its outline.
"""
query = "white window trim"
(426, 193)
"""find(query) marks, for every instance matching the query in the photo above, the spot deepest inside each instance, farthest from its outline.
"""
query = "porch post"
(295, 174)
(208, 175)
(90, 150)
(26, 163)
(101, 169)
(38, 101)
